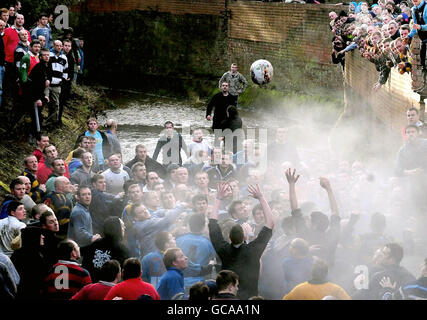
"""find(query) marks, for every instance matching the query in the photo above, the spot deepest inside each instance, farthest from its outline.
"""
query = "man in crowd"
(17, 193)
(83, 174)
(42, 30)
(38, 190)
(115, 176)
(219, 104)
(45, 167)
(171, 143)
(11, 225)
(171, 285)
(80, 228)
(111, 133)
(150, 164)
(237, 82)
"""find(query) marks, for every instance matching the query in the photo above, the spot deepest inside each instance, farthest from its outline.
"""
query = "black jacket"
(150, 165)
(243, 260)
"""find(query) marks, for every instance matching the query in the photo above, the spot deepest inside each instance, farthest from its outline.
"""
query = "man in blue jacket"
(171, 286)
(419, 17)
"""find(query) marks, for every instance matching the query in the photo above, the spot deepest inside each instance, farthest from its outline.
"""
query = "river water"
(140, 119)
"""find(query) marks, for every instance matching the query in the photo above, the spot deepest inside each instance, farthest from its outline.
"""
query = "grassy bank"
(84, 103)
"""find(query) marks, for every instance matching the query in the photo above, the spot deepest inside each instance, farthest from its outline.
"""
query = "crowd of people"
(382, 32)
(211, 221)
(38, 65)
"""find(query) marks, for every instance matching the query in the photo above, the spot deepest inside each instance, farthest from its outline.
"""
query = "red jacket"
(132, 289)
(93, 291)
(44, 171)
(11, 40)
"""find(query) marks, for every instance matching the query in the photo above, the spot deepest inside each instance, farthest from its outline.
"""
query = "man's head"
(139, 172)
(87, 159)
(412, 115)
(57, 46)
(168, 200)
(84, 142)
(98, 182)
(44, 55)
(62, 185)
(233, 68)
(17, 188)
(139, 212)
(38, 210)
(227, 281)
(132, 268)
(412, 133)
(224, 87)
(200, 203)
(92, 125)
(84, 196)
(50, 153)
(49, 221)
(19, 20)
(201, 179)
(198, 135)
(141, 152)
(151, 200)
(23, 35)
(226, 160)
(43, 19)
(169, 126)
(258, 214)
(399, 45)
(16, 209)
(319, 270)
(299, 248)
(164, 240)
(31, 164)
(35, 46)
(111, 124)
(110, 271)
(404, 30)
(27, 183)
(392, 254)
(58, 166)
(2, 26)
(152, 178)
(174, 257)
(182, 175)
(4, 15)
(281, 135)
(68, 250)
(67, 46)
(42, 40)
(332, 15)
(134, 193)
(237, 235)
(238, 210)
(114, 162)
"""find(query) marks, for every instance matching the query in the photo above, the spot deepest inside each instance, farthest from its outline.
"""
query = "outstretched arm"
(255, 192)
(223, 191)
(325, 184)
(292, 180)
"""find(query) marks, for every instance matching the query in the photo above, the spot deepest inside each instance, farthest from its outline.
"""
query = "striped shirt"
(65, 279)
(59, 64)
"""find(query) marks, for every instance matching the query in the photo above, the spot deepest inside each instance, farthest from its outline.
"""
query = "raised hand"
(291, 176)
(254, 191)
(223, 190)
(385, 282)
(325, 183)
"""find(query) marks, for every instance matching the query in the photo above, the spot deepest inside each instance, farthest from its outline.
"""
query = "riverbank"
(85, 102)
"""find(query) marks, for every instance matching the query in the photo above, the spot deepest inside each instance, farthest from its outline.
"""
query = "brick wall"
(390, 102)
(210, 7)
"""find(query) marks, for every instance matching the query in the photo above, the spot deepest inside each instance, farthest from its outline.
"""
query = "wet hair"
(396, 252)
(225, 278)
(12, 206)
(43, 14)
(136, 166)
(160, 240)
(127, 184)
(109, 270)
(131, 268)
(34, 42)
(112, 229)
(237, 234)
(300, 246)
(170, 256)
(199, 291)
(197, 222)
(232, 111)
(319, 270)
